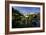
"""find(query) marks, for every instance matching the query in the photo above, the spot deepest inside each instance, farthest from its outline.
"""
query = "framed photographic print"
(24, 17)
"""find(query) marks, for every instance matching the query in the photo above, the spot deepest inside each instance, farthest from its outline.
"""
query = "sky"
(27, 10)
